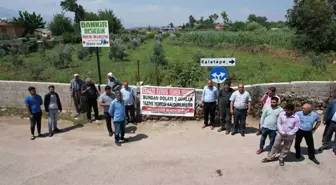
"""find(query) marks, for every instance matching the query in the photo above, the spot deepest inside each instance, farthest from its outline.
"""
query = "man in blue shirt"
(209, 98)
(128, 96)
(33, 105)
(117, 112)
(306, 130)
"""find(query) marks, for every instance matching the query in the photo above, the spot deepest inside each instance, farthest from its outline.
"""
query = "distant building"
(12, 30)
(167, 29)
(219, 26)
(44, 33)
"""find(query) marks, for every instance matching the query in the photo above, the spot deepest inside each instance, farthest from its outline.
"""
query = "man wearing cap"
(105, 101)
(90, 94)
(75, 89)
(224, 107)
(113, 82)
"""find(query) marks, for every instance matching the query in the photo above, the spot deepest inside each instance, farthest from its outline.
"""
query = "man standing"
(287, 124)
(266, 101)
(268, 124)
(240, 105)
(306, 130)
(90, 93)
(105, 101)
(330, 126)
(113, 82)
(75, 88)
(209, 98)
(224, 107)
(52, 104)
(33, 105)
(117, 112)
(128, 95)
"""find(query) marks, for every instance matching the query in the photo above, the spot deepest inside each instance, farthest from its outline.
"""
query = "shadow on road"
(138, 137)
(67, 129)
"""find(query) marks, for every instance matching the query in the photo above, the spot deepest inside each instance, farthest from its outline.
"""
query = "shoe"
(32, 137)
(234, 133)
(265, 160)
(56, 130)
(259, 151)
(314, 160)
(334, 150)
(258, 133)
(51, 134)
(227, 132)
(40, 135)
(242, 134)
(281, 163)
(220, 129)
(203, 126)
(118, 144)
(212, 127)
(110, 134)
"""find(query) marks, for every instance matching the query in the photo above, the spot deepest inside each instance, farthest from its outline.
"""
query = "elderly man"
(128, 95)
(209, 98)
(224, 107)
(268, 124)
(287, 125)
(266, 101)
(306, 130)
(90, 95)
(330, 126)
(113, 82)
(75, 89)
(240, 105)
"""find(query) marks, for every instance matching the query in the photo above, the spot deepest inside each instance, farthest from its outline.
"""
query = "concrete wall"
(12, 93)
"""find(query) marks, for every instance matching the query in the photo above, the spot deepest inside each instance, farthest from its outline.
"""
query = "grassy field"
(250, 68)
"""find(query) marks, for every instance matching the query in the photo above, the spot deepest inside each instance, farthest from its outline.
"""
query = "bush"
(61, 56)
(83, 53)
(35, 71)
(117, 50)
(158, 56)
(253, 26)
(14, 59)
(150, 35)
(3, 53)
(184, 74)
(158, 37)
(319, 62)
(197, 57)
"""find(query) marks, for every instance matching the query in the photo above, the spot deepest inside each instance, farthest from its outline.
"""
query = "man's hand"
(31, 115)
(249, 111)
(231, 111)
(88, 88)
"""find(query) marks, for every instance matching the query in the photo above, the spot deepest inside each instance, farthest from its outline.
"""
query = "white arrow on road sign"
(218, 61)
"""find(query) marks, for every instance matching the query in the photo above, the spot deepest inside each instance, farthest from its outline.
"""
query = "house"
(12, 30)
(219, 26)
(44, 33)
(167, 29)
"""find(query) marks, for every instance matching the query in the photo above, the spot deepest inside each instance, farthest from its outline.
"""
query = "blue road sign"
(218, 74)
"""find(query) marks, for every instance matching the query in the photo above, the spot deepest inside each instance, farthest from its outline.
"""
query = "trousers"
(271, 134)
(108, 120)
(225, 118)
(119, 130)
(209, 108)
(77, 101)
(52, 119)
(277, 146)
(35, 120)
(130, 113)
(240, 119)
(308, 136)
(92, 103)
(328, 135)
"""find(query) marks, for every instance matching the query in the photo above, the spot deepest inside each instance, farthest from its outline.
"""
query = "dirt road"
(161, 153)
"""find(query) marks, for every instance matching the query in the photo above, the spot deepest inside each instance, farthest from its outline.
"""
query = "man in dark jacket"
(90, 95)
(330, 126)
(52, 105)
(224, 107)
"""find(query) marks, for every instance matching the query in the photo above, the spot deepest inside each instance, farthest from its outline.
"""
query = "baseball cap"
(76, 74)
(110, 74)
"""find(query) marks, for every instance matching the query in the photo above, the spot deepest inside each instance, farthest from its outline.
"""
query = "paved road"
(157, 154)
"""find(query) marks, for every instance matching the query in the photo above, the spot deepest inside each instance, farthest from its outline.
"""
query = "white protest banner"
(95, 33)
(167, 101)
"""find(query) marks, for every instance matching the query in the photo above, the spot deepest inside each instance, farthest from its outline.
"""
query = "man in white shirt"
(240, 105)
(128, 95)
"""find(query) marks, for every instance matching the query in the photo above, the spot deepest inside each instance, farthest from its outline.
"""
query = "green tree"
(259, 19)
(238, 26)
(60, 25)
(171, 25)
(252, 26)
(30, 22)
(114, 23)
(192, 21)
(225, 17)
(215, 17)
(158, 57)
(314, 24)
(72, 6)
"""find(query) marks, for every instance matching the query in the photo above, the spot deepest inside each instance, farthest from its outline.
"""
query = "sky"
(138, 13)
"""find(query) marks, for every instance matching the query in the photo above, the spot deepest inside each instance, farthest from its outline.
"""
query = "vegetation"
(30, 22)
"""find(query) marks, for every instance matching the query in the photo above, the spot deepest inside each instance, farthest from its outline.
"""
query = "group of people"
(280, 125)
(117, 102)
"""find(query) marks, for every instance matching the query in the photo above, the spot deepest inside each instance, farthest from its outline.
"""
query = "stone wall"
(12, 93)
